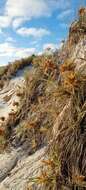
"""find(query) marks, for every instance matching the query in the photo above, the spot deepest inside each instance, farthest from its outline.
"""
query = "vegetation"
(50, 90)
(2, 70)
(7, 72)
(64, 165)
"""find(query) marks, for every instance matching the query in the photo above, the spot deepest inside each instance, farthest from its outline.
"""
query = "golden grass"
(47, 90)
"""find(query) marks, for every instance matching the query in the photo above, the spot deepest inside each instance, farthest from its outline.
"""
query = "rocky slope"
(46, 146)
(8, 96)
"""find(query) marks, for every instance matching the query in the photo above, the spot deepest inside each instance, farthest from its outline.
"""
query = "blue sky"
(30, 26)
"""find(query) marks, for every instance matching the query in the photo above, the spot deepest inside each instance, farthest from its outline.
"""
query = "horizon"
(31, 26)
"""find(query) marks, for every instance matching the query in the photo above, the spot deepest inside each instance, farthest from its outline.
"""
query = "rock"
(8, 162)
(19, 167)
(28, 167)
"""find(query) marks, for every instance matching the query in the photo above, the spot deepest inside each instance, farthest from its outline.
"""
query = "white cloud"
(39, 53)
(33, 8)
(49, 45)
(24, 52)
(17, 22)
(64, 14)
(6, 49)
(16, 12)
(19, 11)
(29, 8)
(34, 32)
(52, 46)
(9, 39)
(12, 52)
(1, 31)
(5, 21)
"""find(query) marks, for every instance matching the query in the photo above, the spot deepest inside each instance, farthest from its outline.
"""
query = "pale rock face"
(80, 57)
(16, 167)
(10, 92)
(18, 177)
(80, 50)
(7, 163)
(15, 170)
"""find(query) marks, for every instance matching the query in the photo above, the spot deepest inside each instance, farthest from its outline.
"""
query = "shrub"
(2, 143)
(12, 68)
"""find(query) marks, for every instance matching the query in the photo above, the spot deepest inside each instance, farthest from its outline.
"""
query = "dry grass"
(16, 104)
(2, 144)
(11, 69)
(2, 118)
(48, 89)
(2, 140)
(67, 170)
(47, 63)
(50, 172)
(7, 98)
(71, 136)
(43, 99)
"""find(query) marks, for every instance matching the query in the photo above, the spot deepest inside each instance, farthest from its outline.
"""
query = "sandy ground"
(8, 95)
